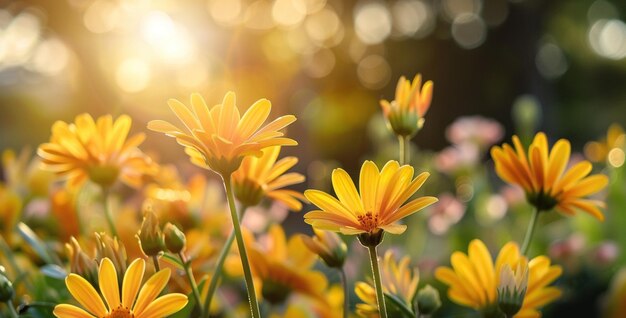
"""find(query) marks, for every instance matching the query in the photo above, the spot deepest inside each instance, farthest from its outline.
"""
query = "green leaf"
(54, 271)
(36, 243)
(396, 307)
(174, 260)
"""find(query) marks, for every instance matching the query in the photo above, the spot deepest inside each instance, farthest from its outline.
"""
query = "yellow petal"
(85, 294)
(409, 208)
(107, 280)
(368, 184)
(394, 228)
(483, 264)
(328, 203)
(558, 161)
(150, 290)
(69, 311)
(132, 282)
(164, 306)
(346, 191)
(253, 118)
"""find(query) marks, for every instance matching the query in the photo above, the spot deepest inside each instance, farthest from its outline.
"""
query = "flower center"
(368, 221)
(121, 312)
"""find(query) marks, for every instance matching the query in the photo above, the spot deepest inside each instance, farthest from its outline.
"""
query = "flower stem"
(192, 280)
(107, 210)
(380, 296)
(254, 304)
(217, 273)
(405, 149)
(346, 292)
(155, 260)
(12, 309)
(530, 231)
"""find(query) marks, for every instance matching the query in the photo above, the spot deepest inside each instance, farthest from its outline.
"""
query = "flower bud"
(329, 246)
(6, 287)
(428, 300)
(174, 238)
(150, 236)
(81, 264)
(512, 288)
(112, 248)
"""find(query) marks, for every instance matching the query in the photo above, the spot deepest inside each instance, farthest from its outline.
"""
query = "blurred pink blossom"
(456, 157)
(447, 212)
(478, 130)
(567, 248)
(606, 253)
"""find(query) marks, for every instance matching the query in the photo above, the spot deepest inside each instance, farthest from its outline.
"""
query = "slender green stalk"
(405, 149)
(155, 260)
(106, 197)
(530, 231)
(380, 296)
(346, 293)
(192, 280)
(12, 309)
(254, 304)
(217, 273)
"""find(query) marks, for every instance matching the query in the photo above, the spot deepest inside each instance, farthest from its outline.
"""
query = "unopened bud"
(329, 246)
(428, 300)
(512, 288)
(80, 263)
(150, 237)
(174, 238)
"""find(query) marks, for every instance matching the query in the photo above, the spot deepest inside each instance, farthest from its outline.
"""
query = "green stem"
(192, 280)
(380, 297)
(217, 273)
(346, 292)
(254, 304)
(155, 260)
(530, 231)
(405, 150)
(12, 309)
(107, 211)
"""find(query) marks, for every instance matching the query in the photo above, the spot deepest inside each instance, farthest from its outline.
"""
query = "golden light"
(102, 16)
(19, 39)
(320, 63)
(225, 12)
(324, 28)
(50, 57)
(374, 71)
(170, 41)
(496, 207)
(372, 22)
(133, 75)
(616, 157)
(289, 12)
(412, 18)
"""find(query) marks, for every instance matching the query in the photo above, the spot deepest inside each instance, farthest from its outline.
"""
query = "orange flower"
(219, 138)
(264, 176)
(96, 150)
(544, 176)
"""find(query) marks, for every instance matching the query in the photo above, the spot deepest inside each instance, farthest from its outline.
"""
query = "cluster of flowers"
(244, 152)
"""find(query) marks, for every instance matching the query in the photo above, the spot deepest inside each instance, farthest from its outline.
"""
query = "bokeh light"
(608, 38)
(372, 22)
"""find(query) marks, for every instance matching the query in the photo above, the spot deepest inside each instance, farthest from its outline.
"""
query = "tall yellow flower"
(283, 267)
(544, 176)
(378, 208)
(96, 150)
(136, 301)
(219, 138)
(399, 279)
(474, 279)
(263, 176)
(405, 114)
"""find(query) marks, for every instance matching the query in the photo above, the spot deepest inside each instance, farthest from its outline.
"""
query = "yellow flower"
(96, 150)
(544, 176)
(136, 301)
(398, 279)
(405, 114)
(264, 176)
(474, 279)
(282, 267)
(610, 148)
(219, 138)
(379, 206)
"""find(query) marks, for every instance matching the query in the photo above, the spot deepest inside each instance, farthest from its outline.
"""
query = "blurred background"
(557, 66)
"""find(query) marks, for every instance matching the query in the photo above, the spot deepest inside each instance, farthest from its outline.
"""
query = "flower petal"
(164, 306)
(107, 280)
(132, 282)
(85, 294)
